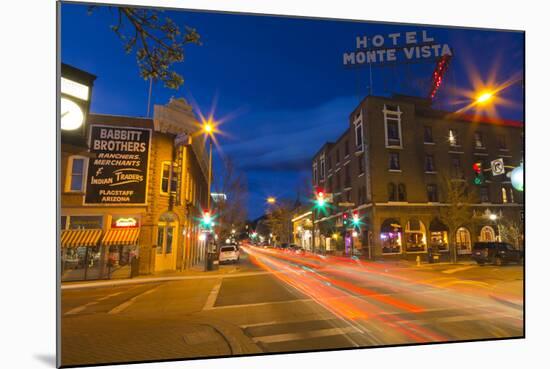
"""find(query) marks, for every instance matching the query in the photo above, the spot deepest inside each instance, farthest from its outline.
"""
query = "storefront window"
(487, 234)
(439, 241)
(463, 241)
(391, 242)
(415, 236)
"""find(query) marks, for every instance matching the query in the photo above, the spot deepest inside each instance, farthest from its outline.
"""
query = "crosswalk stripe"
(305, 335)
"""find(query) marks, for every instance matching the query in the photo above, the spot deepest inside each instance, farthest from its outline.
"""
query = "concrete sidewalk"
(195, 272)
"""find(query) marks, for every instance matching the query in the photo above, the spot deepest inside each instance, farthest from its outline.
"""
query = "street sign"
(346, 204)
(497, 167)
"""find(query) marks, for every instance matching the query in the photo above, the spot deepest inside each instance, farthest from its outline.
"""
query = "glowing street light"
(485, 97)
(493, 217)
(271, 200)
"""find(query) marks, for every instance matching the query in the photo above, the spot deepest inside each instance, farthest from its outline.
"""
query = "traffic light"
(355, 219)
(206, 218)
(320, 197)
(345, 219)
(479, 179)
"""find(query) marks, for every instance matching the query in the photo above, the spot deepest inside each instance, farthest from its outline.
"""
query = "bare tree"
(231, 212)
(457, 210)
(511, 231)
(158, 41)
(279, 220)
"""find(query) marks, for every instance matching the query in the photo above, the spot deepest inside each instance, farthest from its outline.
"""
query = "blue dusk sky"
(281, 81)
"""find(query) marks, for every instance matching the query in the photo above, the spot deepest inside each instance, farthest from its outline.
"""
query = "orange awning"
(80, 237)
(121, 236)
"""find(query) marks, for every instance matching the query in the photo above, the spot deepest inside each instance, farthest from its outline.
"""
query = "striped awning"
(121, 236)
(80, 237)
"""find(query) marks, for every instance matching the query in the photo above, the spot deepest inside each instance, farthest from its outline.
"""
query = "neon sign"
(125, 223)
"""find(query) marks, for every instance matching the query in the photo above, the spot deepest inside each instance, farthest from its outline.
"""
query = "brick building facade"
(160, 234)
(394, 164)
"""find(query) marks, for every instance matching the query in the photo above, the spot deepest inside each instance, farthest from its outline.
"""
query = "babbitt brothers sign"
(399, 47)
(117, 173)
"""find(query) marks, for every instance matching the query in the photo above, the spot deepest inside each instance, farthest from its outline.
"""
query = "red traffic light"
(477, 167)
(345, 215)
(319, 192)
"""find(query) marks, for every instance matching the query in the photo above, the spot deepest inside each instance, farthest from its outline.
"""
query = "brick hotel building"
(389, 165)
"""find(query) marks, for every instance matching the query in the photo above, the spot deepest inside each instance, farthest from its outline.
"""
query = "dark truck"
(497, 253)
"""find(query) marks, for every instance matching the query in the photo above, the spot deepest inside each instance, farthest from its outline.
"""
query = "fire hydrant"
(417, 260)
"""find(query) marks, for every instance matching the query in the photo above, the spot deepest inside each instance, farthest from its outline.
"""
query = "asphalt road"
(274, 301)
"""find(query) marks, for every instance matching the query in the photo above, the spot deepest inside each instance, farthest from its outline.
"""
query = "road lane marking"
(305, 335)
(119, 308)
(459, 269)
(213, 296)
(244, 306)
(80, 308)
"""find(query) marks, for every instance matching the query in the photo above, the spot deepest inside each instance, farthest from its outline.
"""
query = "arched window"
(401, 192)
(391, 192)
(463, 241)
(415, 236)
(487, 234)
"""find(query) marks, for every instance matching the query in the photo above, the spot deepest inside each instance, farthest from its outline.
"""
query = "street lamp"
(271, 200)
(208, 128)
(484, 97)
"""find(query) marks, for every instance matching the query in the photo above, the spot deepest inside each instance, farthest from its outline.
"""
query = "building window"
(346, 149)
(338, 182)
(478, 140)
(463, 241)
(358, 132)
(504, 193)
(453, 137)
(429, 165)
(174, 178)
(361, 164)
(415, 236)
(511, 196)
(169, 239)
(322, 173)
(501, 142)
(392, 193)
(337, 156)
(347, 179)
(165, 177)
(432, 193)
(329, 162)
(160, 239)
(394, 161)
(392, 126)
(456, 168)
(487, 234)
(428, 137)
(361, 195)
(484, 194)
(77, 165)
(315, 173)
(401, 192)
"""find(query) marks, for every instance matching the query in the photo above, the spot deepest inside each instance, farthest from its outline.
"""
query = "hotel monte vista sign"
(118, 167)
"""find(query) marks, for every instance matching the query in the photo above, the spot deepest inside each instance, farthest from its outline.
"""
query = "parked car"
(497, 253)
(229, 254)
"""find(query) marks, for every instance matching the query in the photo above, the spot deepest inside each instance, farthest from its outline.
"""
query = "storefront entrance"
(166, 243)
